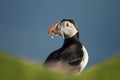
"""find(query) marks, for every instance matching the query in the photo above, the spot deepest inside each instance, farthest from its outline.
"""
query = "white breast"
(85, 59)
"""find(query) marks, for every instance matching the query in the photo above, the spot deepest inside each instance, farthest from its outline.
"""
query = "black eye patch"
(67, 24)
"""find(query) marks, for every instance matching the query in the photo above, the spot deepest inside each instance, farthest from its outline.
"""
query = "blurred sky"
(24, 25)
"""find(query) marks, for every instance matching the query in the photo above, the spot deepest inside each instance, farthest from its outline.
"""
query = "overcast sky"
(24, 25)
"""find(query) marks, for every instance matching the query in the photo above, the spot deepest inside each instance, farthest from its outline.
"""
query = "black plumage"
(70, 53)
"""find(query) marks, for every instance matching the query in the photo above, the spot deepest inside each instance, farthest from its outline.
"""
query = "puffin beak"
(52, 29)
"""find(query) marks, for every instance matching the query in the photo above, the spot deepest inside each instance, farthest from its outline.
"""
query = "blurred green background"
(12, 68)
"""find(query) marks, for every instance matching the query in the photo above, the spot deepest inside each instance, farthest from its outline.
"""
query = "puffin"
(72, 57)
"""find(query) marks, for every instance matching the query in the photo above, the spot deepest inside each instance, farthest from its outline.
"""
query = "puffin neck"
(72, 40)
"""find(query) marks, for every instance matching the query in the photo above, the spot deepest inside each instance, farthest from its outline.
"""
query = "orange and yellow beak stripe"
(52, 28)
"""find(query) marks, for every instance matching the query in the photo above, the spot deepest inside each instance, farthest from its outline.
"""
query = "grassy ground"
(12, 68)
(108, 70)
(19, 69)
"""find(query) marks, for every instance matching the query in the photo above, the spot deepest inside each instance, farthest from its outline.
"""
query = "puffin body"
(72, 56)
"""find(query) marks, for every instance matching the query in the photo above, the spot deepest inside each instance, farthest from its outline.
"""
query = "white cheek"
(69, 31)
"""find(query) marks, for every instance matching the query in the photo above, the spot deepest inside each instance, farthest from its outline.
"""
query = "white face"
(68, 29)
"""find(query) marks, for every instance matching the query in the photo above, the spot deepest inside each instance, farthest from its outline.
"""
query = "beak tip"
(50, 31)
(52, 28)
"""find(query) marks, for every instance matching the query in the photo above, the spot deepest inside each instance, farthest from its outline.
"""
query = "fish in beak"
(55, 30)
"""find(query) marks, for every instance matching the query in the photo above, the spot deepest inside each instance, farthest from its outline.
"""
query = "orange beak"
(52, 28)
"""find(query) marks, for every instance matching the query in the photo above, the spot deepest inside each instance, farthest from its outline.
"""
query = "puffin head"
(66, 28)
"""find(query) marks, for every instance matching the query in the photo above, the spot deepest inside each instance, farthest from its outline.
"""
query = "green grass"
(108, 70)
(12, 68)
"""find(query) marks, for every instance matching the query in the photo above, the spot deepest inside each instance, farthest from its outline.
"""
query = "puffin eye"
(67, 25)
